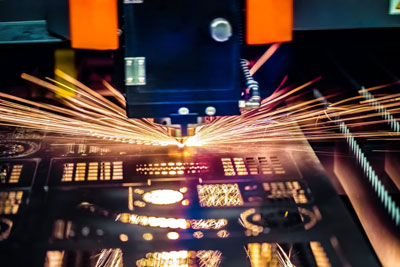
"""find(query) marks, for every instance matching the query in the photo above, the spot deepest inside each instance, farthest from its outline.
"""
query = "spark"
(267, 254)
(86, 114)
(219, 195)
(287, 116)
(202, 258)
(110, 258)
(270, 51)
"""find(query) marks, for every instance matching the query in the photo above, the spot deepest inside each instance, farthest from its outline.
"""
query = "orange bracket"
(94, 24)
(269, 21)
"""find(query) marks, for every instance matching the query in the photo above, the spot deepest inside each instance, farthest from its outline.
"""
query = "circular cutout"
(17, 148)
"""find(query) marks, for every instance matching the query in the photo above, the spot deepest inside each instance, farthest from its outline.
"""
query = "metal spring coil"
(250, 83)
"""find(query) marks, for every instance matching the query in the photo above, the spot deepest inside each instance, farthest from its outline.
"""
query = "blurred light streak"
(172, 223)
(163, 197)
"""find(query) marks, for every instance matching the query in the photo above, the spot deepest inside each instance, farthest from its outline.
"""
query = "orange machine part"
(94, 24)
(269, 21)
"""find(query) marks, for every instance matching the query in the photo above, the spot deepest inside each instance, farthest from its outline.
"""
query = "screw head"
(210, 111)
(183, 111)
(220, 30)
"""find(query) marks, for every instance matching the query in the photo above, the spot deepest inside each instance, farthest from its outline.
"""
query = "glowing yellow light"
(182, 258)
(173, 235)
(243, 220)
(139, 203)
(130, 199)
(139, 191)
(223, 234)
(107, 257)
(256, 217)
(183, 190)
(163, 197)
(147, 236)
(215, 195)
(208, 223)
(320, 256)
(267, 254)
(123, 237)
(173, 223)
(198, 234)
(185, 202)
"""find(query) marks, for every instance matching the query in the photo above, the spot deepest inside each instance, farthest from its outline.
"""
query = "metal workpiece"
(229, 200)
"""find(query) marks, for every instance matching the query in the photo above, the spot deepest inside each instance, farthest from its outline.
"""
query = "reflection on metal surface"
(15, 174)
(10, 201)
(172, 223)
(110, 258)
(173, 235)
(152, 221)
(147, 236)
(92, 171)
(320, 256)
(233, 167)
(61, 229)
(208, 224)
(268, 255)
(130, 199)
(138, 191)
(10, 173)
(223, 234)
(254, 229)
(84, 149)
(183, 190)
(257, 222)
(171, 168)
(182, 258)
(209, 258)
(253, 166)
(290, 190)
(185, 202)
(123, 237)
(163, 197)
(219, 195)
(105, 258)
(5, 228)
(198, 234)
(139, 204)
(54, 258)
(17, 148)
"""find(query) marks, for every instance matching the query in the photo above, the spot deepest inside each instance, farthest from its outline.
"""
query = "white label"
(394, 8)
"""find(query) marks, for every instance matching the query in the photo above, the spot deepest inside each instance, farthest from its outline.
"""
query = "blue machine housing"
(184, 65)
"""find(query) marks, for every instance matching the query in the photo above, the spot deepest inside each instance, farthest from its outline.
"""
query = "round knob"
(220, 29)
